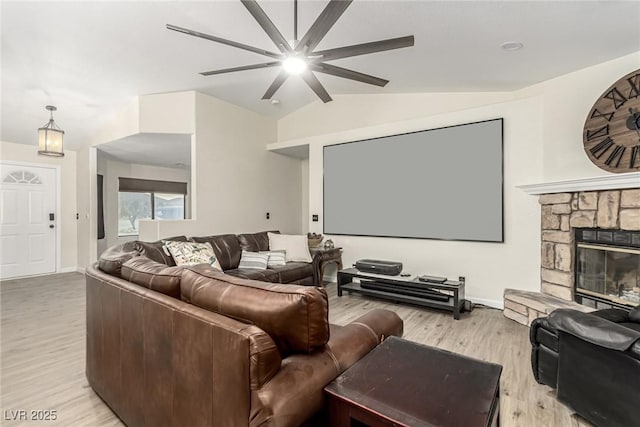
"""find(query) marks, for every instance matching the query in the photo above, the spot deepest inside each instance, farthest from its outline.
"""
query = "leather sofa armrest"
(296, 391)
(594, 329)
(540, 322)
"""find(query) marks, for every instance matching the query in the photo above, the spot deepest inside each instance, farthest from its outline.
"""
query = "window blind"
(151, 186)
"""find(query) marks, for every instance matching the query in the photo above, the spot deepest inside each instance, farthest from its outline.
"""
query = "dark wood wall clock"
(612, 130)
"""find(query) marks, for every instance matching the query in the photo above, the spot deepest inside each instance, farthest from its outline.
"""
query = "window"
(133, 207)
(146, 199)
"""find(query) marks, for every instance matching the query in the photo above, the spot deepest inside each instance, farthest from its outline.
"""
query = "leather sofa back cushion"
(155, 250)
(296, 317)
(153, 275)
(255, 242)
(226, 247)
(112, 259)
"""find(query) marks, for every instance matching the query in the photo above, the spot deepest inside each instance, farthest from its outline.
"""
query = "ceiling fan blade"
(364, 48)
(322, 25)
(315, 85)
(348, 74)
(242, 68)
(279, 80)
(224, 41)
(267, 25)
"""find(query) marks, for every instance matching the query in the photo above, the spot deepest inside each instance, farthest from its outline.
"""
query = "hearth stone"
(630, 219)
(525, 306)
(588, 201)
(630, 199)
(608, 208)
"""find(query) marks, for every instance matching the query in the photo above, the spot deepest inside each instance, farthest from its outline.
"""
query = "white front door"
(27, 220)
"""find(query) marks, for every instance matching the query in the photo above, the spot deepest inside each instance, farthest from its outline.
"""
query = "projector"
(389, 268)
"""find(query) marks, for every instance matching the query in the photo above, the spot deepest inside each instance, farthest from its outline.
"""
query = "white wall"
(236, 181)
(305, 218)
(68, 224)
(543, 142)
(113, 169)
(488, 267)
(567, 102)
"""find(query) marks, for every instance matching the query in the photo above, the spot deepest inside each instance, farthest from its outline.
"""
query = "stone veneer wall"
(562, 212)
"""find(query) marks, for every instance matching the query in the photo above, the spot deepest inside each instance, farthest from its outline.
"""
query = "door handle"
(51, 225)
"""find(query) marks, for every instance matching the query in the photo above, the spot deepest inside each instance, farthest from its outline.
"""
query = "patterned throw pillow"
(253, 260)
(276, 258)
(192, 253)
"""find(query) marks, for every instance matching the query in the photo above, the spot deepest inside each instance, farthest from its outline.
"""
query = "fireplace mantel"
(608, 182)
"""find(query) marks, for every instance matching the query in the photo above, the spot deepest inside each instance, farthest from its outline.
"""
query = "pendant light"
(50, 137)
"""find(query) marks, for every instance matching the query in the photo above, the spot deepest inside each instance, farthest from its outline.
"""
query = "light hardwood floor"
(43, 353)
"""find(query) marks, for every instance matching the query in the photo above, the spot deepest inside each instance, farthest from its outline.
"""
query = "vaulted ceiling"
(90, 58)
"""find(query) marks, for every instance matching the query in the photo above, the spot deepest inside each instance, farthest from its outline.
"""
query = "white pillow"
(296, 246)
(253, 260)
(192, 253)
(276, 258)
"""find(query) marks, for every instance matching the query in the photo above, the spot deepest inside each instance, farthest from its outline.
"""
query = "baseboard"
(499, 304)
(69, 270)
(81, 270)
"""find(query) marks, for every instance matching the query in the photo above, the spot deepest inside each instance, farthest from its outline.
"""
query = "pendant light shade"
(50, 137)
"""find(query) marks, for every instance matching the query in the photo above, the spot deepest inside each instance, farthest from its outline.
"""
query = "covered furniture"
(593, 360)
(192, 346)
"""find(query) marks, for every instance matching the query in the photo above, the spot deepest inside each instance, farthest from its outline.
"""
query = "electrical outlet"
(314, 218)
(268, 215)
(461, 279)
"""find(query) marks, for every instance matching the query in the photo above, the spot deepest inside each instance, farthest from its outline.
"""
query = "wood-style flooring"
(43, 353)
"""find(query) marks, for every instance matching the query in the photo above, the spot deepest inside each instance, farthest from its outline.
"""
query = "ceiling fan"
(299, 57)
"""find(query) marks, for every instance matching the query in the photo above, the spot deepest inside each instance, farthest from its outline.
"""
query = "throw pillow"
(192, 253)
(295, 246)
(253, 261)
(276, 258)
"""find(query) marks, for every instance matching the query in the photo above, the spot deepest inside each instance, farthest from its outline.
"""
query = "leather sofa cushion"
(154, 250)
(226, 247)
(153, 275)
(112, 259)
(634, 315)
(294, 394)
(296, 317)
(252, 274)
(255, 242)
(293, 271)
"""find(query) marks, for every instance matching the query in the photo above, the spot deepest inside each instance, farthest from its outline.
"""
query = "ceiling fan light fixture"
(294, 65)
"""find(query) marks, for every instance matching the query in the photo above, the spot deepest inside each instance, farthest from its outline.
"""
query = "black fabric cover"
(593, 329)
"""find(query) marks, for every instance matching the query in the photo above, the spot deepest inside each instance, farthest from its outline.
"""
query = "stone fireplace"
(562, 213)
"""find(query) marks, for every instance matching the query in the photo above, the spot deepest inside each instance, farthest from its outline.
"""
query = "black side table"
(322, 257)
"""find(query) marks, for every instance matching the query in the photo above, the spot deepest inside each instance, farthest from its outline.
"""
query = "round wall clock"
(612, 130)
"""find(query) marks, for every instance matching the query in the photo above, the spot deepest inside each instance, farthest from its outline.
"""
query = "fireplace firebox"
(607, 271)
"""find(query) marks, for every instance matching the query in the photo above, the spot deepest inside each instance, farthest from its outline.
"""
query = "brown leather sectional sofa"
(191, 346)
(228, 249)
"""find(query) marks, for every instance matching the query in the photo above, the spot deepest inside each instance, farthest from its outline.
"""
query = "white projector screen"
(441, 183)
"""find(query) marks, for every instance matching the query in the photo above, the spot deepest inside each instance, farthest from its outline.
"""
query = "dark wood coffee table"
(401, 383)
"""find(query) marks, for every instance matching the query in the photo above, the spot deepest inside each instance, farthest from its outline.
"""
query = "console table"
(402, 383)
(323, 257)
(446, 296)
